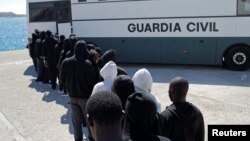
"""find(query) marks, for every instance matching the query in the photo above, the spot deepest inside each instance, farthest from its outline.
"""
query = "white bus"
(207, 32)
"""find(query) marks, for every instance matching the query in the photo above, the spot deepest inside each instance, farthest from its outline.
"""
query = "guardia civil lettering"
(173, 27)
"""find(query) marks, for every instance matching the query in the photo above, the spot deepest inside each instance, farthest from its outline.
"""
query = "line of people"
(112, 105)
(48, 51)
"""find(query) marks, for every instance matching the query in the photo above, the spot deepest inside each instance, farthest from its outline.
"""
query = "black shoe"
(84, 124)
(45, 82)
(37, 80)
(53, 87)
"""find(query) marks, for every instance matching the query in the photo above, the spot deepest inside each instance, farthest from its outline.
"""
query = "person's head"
(109, 71)
(37, 31)
(72, 36)
(62, 37)
(91, 46)
(141, 112)
(104, 112)
(109, 55)
(73, 40)
(42, 35)
(93, 56)
(81, 52)
(123, 86)
(98, 50)
(143, 80)
(178, 88)
(48, 33)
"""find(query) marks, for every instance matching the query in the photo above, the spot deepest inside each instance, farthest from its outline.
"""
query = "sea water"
(13, 33)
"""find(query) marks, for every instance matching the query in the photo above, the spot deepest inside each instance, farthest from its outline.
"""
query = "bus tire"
(238, 58)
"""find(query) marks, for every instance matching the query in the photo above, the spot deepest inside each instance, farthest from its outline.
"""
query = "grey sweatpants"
(79, 117)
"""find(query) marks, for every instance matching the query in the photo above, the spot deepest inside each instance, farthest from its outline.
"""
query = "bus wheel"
(238, 58)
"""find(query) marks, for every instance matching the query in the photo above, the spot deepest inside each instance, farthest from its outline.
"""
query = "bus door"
(64, 29)
(63, 18)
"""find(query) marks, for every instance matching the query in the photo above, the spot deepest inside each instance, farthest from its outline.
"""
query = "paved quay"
(33, 112)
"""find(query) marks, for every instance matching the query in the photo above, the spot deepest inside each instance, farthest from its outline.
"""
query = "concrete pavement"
(33, 112)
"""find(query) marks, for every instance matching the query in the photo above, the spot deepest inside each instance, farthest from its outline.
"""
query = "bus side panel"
(131, 50)
(189, 50)
(223, 43)
(160, 50)
(152, 8)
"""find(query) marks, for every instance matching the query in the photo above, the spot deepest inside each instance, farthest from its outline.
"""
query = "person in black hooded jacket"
(182, 121)
(49, 52)
(31, 46)
(77, 73)
(58, 50)
(140, 117)
(110, 55)
(123, 86)
(42, 75)
(68, 48)
(94, 57)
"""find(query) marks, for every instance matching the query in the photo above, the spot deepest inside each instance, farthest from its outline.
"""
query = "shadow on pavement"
(30, 71)
(49, 96)
(208, 75)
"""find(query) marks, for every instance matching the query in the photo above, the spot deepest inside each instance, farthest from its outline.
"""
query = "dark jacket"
(58, 51)
(77, 73)
(49, 49)
(39, 47)
(140, 117)
(183, 122)
(110, 55)
(68, 48)
(32, 45)
(92, 56)
(123, 86)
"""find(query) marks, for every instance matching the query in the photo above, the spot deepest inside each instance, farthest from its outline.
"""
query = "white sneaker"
(84, 137)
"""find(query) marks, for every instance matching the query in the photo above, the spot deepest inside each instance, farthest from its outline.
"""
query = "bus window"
(243, 7)
(42, 12)
(63, 12)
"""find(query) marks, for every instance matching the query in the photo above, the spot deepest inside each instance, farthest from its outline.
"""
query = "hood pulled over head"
(109, 55)
(143, 80)
(81, 52)
(123, 86)
(141, 112)
(109, 71)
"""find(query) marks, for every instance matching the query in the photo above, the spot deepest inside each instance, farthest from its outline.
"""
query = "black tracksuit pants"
(52, 72)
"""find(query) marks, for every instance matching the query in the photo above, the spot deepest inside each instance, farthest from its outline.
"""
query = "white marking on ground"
(11, 128)
(15, 63)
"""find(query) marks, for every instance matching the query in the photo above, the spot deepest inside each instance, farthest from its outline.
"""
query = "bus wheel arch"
(237, 57)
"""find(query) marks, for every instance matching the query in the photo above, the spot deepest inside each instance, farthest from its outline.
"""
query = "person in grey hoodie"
(143, 84)
(108, 73)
